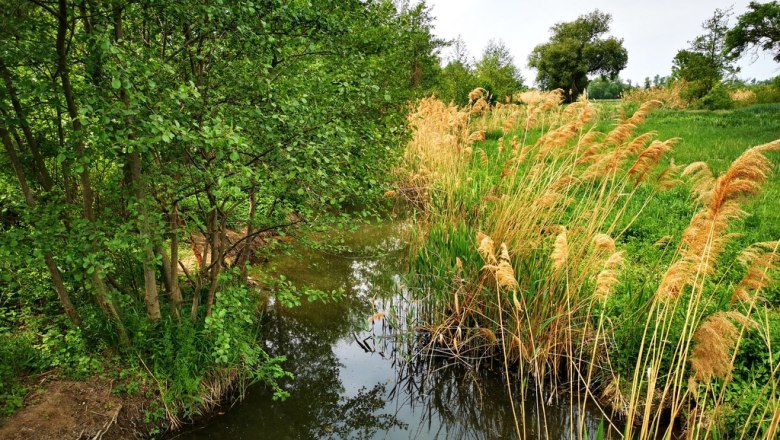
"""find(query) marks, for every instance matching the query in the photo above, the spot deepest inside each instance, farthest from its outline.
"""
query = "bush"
(717, 99)
(694, 91)
(16, 356)
(768, 93)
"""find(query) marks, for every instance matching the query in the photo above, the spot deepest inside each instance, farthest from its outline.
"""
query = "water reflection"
(357, 373)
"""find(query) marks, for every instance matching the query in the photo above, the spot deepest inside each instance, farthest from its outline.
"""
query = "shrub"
(768, 93)
(717, 99)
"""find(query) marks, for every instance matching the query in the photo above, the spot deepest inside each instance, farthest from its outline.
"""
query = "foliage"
(604, 88)
(16, 356)
(768, 92)
(497, 72)
(718, 98)
(457, 80)
(758, 28)
(575, 50)
(134, 132)
(704, 64)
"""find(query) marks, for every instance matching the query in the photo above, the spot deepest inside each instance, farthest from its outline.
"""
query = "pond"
(357, 372)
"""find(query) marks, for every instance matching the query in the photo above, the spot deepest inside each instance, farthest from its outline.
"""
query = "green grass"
(462, 206)
(718, 138)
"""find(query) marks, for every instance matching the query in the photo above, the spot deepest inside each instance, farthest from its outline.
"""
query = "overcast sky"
(653, 31)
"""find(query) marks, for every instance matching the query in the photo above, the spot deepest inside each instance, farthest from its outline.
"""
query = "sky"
(652, 31)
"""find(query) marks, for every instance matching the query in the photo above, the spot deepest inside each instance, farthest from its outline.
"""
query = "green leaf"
(116, 84)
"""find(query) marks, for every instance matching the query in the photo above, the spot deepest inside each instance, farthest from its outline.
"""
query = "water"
(356, 373)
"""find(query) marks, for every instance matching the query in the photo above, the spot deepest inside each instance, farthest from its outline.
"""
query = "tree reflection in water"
(360, 378)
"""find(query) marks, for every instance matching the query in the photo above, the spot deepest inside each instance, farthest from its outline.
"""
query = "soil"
(85, 409)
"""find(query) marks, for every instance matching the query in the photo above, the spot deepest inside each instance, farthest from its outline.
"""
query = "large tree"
(575, 50)
(129, 127)
(704, 63)
(759, 29)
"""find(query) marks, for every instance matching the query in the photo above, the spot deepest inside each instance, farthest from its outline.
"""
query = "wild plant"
(525, 207)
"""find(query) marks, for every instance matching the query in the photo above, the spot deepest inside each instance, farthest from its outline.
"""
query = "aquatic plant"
(561, 301)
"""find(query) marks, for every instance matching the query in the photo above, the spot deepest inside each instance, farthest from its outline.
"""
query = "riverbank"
(583, 242)
(74, 409)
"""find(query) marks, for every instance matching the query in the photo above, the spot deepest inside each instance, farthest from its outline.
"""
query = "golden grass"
(668, 95)
(559, 206)
(744, 96)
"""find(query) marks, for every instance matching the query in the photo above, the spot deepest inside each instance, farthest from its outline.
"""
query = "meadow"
(610, 252)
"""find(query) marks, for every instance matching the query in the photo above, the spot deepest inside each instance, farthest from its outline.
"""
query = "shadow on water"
(356, 374)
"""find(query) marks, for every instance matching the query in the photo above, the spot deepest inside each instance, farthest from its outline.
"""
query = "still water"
(357, 374)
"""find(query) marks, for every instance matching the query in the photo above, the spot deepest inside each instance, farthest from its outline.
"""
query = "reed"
(560, 196)
(669, 95)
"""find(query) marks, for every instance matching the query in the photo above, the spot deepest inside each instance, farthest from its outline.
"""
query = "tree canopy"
(577, 49)
(705, 63)
(496, 71)
(134, 129)
(759, 28)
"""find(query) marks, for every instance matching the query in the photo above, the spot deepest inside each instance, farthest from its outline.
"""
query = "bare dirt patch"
(86, 409)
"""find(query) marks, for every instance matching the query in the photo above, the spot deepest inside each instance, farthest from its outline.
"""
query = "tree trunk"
(40, 167)
(54, 272)
(208, 241)
(176, 298)
(150, 275)
(99, 286)
(218, 248)
(246, 249)
(151, 295)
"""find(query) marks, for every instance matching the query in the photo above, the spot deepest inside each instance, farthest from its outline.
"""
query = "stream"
(356, 375)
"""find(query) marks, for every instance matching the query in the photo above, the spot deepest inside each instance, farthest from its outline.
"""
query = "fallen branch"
(108, 425)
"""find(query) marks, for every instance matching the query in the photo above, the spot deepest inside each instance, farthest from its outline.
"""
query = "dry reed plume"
(558, 195)
(668, 95)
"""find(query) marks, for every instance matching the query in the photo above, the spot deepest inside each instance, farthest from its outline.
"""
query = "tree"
(705, 64)
(497, 72)
(457, 78)
(604, 88)
(575, 50)
(129, 127)
(759, 29)
(415, 24)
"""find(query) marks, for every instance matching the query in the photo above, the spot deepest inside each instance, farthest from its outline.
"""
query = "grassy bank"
(580, 247)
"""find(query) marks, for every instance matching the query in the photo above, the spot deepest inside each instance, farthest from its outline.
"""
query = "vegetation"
(494, 72)
(604, 88)
(606, 259)
(153, 150)
(758, 28)
(705, 63)
(575, 50)
(670, 95)
(150, 146)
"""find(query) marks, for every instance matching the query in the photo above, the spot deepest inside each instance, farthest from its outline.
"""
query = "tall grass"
(669, 95)
(525, 209)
